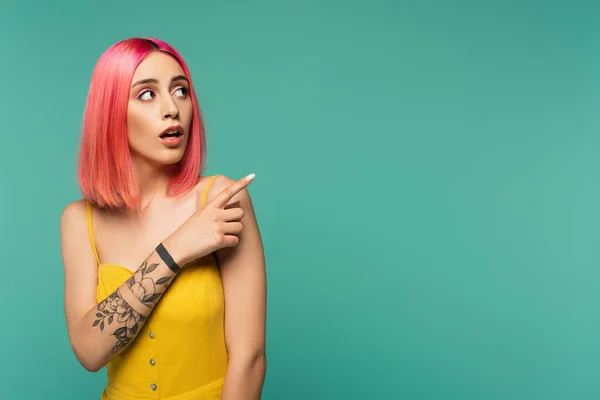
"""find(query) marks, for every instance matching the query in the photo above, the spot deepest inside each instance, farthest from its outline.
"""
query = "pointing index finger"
(227, 194)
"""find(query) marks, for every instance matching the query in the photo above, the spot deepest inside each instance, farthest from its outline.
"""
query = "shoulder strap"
(205, 192)
(90, 230)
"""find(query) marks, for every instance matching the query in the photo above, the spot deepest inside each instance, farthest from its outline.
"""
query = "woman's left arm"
(244, 283)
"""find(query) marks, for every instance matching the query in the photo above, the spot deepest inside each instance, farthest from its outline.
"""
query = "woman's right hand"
(210, 228)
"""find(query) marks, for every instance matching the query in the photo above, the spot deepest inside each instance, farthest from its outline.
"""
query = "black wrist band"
(166, 257)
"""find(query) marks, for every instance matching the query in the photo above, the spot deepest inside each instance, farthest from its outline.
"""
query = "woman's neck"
(152, 181)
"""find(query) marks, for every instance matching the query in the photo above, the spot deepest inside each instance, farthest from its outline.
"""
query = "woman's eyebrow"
(152, 80)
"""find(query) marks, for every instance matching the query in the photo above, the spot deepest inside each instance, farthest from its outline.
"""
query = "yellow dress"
(180, 352)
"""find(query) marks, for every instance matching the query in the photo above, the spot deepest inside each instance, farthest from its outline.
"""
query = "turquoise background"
(428, 186)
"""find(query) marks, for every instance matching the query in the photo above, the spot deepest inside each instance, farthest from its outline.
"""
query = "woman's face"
(159, 102)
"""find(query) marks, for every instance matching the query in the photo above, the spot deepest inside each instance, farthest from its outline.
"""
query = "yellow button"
(153, 387)
(151, 335)
(152, 361)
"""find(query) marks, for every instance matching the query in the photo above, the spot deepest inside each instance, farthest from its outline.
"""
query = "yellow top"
(180, 352)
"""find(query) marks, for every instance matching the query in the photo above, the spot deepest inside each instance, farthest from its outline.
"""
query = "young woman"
(164, 268)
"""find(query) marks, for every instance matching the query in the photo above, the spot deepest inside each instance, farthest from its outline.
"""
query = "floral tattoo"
(144, 288)
(115, 307)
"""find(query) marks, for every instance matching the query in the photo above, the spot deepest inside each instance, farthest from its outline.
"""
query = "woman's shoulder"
(211, 185)
(75, 208)
(222, 182)
(205, 186)
(72, 215)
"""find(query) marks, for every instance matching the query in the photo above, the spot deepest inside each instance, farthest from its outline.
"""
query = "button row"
(153, 386)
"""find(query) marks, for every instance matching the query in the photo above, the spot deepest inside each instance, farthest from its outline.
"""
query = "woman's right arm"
(97, 332)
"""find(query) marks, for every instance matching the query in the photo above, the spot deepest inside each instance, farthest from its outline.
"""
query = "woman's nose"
(169, 109)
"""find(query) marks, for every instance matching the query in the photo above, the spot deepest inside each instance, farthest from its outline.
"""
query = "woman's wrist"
(170, 253)
(167, 258)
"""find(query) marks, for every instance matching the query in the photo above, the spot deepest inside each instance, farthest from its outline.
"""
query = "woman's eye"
(146, 95)
(182, 91)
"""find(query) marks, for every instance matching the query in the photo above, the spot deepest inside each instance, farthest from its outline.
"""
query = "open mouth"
(170, 134)
(173, 132)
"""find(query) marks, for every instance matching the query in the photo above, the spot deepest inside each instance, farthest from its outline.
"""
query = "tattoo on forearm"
(114, 306)
(144, 288)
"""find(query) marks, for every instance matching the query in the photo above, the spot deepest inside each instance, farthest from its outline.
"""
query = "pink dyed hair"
(105, 171)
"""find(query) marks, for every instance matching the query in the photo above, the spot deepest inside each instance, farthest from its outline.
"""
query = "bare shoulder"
(72, 215)
(74, 239)
(220, 183)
